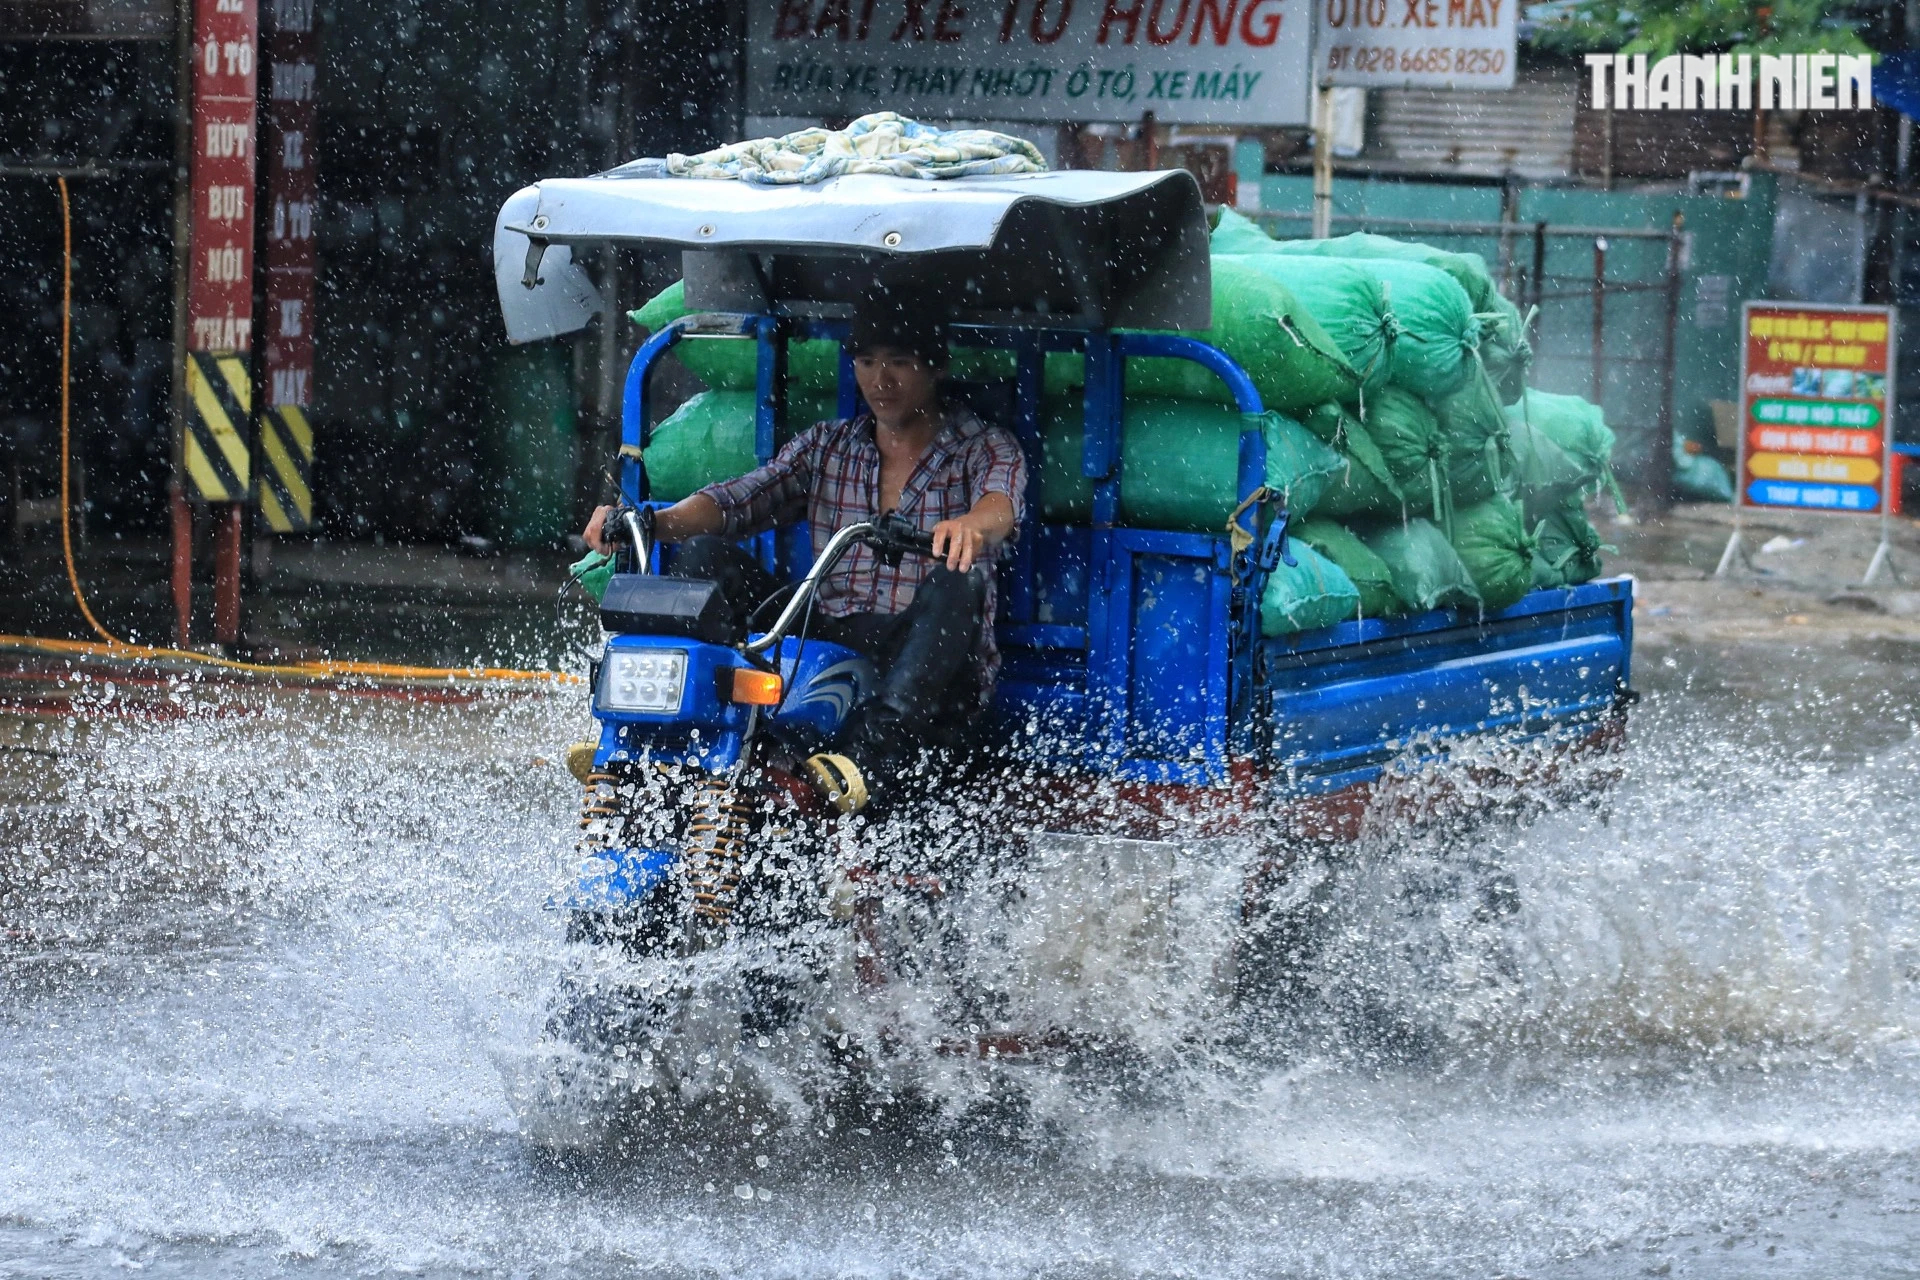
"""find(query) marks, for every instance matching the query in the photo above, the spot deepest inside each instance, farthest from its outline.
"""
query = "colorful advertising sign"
(1815, 384)
(1186, 61)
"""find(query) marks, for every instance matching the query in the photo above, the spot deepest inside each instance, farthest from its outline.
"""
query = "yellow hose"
(115, 648)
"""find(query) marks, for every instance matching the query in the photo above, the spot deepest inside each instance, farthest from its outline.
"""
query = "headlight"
(643, 680)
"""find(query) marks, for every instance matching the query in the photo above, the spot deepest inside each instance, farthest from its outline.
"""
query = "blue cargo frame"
(1135, 654)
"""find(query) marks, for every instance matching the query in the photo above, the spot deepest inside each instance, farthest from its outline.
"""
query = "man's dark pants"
(922, 655)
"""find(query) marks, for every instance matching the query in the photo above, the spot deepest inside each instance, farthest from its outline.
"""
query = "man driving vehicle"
(927, 624)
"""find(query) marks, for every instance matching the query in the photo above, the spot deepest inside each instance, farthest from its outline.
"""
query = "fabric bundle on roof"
(883, 142)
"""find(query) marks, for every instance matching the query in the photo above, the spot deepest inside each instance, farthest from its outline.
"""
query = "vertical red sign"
(220, 286)
(290, 197)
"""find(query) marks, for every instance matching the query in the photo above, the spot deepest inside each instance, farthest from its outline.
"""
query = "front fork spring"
(601, 816)
(716, 848)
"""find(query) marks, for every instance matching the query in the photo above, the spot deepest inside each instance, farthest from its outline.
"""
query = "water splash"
(265, 962)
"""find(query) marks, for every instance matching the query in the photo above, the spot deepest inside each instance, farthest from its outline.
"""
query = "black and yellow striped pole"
(214, 453)
(286, 468)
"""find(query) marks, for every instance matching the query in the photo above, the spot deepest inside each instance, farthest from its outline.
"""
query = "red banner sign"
(290, 197)
(220, 284)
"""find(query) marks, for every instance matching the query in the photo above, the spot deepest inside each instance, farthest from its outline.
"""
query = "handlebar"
(629, 526)
(894, 534)
(890, 537)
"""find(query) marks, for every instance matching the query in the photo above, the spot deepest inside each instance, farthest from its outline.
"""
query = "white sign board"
(1451, 44)
(1187, 61)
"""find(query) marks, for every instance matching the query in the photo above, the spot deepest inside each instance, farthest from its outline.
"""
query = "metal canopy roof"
(1077, 248)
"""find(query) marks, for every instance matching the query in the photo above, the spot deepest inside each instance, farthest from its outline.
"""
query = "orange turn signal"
(756, 688)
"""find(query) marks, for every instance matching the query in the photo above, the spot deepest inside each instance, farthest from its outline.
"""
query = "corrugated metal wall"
(1528, 131)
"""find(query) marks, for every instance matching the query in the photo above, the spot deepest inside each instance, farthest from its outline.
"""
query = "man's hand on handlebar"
(596, 531)
(973, 536)
(688, 518)
(959, 542)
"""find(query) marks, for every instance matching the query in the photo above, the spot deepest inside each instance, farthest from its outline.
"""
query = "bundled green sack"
(710, 438)
(1347, 300)
(1237, 234)
(1503, 331)
(1292, 360)
(1504, 349)
(1426, 570)
(729, 364)
(1179, 464)
(1367, 571)
(1439, 341)
(1408, 436)
(1567, 548)
(1544, 474)
(1578, 427)
(1366, 486)
(1469, 270)
(1473, 430)
(1496, 549)
(1310, 593)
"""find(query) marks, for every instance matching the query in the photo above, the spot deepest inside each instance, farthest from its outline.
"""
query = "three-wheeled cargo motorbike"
(1158, 783)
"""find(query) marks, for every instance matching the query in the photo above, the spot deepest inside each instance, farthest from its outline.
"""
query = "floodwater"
(267, 965)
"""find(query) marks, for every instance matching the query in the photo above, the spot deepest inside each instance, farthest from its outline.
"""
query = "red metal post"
(226, 574)
(182, 516)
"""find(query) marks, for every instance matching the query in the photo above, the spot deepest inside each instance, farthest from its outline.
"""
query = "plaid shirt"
(830, 474)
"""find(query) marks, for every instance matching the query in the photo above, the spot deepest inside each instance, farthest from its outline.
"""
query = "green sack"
(1439, 337)
(1568, 547)
(1496, 549)
(1473, 429)
(1698, 478)
(1367, 571)
(1543, 473)
(1426, 570)
(1469, 270)
(1310, 593)
(1237, 234)
(1409, 439)
(593, 571)
(1350, 304)
(1179, 465)
(1504, 348)
(1366, 487)
(1579, 427)
(710, 438)
(1292, 360)
(730, 364)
